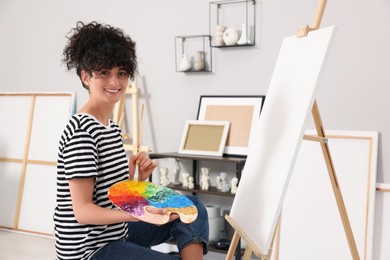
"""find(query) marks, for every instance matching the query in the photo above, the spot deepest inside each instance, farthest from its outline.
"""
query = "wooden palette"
(135, 197)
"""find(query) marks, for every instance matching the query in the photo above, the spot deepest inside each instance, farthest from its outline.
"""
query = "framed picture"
(204, 137)
(241, 111)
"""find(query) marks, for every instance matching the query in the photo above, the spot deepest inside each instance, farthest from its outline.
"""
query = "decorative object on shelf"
(176, 173)
(216, 225)
(204, 137)
(233, 185)
(218, 182)
(204, 178)
(232, 14)
(185, 64)
(241, 111)
(245, 35)
(193, 53)
(218, 36)
(164, 181)
(222, 182)
(185, 176)
(213, 211)
(134, 197)
(199, 61)
(216, 222)
(230, 36)
(191, 184)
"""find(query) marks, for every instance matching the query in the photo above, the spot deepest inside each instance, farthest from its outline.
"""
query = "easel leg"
(250, 247)
(233, 246)
(247, 253)
(335, 184)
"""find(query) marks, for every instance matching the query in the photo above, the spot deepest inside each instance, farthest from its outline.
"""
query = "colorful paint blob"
(135, 197)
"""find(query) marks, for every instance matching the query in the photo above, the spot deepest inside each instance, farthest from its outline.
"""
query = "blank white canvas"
(279, 131)
(382, 223)
(9, 187)
(51, 115)
(14, 113)
(311, 226)
(39, 197)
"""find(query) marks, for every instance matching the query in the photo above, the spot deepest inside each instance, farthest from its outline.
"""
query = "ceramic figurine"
(218, 182)
(218, 38)
(224, 184)
(230, 36)
(185, 176)
(233, 184)
(164, 181)
(191, 184)
(205, 178)
(176, 173)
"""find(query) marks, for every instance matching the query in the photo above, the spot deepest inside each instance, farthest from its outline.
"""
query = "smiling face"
(106, 86)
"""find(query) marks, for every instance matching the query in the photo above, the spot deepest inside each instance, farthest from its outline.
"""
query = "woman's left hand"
(145, 166)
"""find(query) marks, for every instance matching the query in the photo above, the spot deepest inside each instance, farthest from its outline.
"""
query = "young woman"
(91, 158)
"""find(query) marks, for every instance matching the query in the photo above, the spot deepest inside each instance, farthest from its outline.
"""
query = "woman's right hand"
(162, 212)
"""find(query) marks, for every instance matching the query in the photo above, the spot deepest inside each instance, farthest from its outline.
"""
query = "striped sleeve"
(80, 156)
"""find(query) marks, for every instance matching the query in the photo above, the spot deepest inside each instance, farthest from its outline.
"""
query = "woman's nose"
(114, 81)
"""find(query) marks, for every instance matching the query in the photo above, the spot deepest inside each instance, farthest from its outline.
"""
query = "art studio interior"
(272, 113)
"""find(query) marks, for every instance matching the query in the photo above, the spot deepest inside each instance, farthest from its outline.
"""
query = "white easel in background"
(119, 114)
(321, 138)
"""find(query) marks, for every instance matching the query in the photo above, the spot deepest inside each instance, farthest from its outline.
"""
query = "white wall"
(353, 94)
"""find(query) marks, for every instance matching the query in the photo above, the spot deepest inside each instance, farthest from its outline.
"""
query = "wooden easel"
(120, 112)
(321, 138)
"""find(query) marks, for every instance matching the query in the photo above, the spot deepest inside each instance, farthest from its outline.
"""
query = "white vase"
(213, 211)
(185, 63)
(245, 34)
(199, 61)
(230, 36)
(216, 226)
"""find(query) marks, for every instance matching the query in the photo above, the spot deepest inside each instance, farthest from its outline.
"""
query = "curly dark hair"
(95, 46)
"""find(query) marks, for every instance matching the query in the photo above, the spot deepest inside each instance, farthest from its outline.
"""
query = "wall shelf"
(232, 23)
(193, 53)
(238, 161)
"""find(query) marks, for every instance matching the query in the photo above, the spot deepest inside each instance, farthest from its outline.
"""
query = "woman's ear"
(85, 78)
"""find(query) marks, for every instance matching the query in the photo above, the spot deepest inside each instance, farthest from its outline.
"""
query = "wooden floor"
(16, 245)
(21, 246)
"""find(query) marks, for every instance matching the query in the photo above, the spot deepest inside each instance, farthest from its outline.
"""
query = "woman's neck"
(101, 113)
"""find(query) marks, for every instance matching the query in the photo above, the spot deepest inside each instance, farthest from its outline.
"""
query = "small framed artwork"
(204, 137)
(241, 111)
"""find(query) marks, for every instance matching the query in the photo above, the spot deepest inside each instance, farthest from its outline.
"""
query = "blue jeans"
(142, 236)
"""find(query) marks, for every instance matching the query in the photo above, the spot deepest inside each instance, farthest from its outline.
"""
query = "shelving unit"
(238, 161)
(192, 48)
(237, 16)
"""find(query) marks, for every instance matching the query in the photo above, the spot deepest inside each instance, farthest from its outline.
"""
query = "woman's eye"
(123, 74)
(105, 73)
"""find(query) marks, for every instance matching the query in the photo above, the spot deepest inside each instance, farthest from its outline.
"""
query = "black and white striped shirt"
(87, 149)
